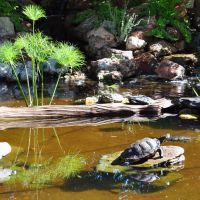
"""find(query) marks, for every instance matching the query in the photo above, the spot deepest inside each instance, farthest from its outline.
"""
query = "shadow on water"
(141, 182)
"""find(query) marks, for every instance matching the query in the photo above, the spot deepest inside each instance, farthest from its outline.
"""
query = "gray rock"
(6, 27)
(5, 71)
(140, 100)
(26, 71)
(53, 68)
(110, 98)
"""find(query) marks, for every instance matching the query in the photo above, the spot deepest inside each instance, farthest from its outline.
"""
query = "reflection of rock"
(5, 149)
(140, 182)
(5, 174)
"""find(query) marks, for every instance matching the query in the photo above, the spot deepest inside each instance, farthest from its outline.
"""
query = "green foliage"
(8, 53)
(46, 173)
(9, 8)
(68, 55)
(122, 21)
(34, 12)
(166, 14)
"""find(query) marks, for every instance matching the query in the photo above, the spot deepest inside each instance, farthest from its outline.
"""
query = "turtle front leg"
(160, 151)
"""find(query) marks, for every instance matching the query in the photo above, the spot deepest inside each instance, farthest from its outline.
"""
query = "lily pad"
(171, 155)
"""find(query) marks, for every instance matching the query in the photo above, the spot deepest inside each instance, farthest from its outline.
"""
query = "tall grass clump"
(39, 49)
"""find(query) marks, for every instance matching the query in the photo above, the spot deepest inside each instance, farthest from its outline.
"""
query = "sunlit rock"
(134, 43)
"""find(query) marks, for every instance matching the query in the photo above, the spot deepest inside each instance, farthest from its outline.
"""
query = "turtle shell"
(139, 151)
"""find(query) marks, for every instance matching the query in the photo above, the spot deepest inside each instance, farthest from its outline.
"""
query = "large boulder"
(6, 27)
(99, 42)
(170, 70)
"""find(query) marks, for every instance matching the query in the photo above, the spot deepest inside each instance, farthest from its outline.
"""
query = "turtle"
(141, 151)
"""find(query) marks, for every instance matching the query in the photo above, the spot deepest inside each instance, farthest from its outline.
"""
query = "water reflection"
(140, 182)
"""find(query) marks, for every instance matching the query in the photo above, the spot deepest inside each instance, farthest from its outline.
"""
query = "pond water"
(94, 141)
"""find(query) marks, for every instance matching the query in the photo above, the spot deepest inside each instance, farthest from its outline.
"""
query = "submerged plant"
(46, 173)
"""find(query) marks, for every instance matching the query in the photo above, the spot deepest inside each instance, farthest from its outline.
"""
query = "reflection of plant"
(38, 48)
(167, 14)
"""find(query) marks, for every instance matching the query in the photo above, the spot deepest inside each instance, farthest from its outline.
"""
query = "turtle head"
(164, 137)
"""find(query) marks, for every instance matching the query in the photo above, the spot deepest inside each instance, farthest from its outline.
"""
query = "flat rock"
(171, 155)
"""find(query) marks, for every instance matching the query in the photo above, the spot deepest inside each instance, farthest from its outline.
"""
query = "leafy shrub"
(122, 21)
(166, 14)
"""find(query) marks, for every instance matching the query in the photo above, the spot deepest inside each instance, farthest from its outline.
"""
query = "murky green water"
(94, 141)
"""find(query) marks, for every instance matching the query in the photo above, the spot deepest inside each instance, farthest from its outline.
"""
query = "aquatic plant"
(47, 173)
(34, 13)
(9, 55)
(67, 56)
(38, 48)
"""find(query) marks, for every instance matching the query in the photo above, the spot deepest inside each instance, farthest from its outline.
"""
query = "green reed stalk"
(55, 88)
(18, 82)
